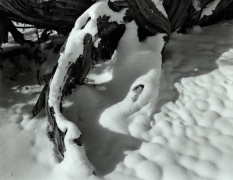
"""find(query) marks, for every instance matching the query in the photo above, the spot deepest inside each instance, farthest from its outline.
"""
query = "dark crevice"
(143, 34)
(138, 90)
(79, 141)
(110, 33)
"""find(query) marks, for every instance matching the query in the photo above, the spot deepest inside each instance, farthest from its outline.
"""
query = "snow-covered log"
(96, 37)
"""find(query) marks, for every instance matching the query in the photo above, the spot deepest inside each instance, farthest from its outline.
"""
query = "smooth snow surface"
(178, 128)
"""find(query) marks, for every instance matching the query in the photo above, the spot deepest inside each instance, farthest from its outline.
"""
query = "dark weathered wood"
(59, 15)
(7, 26)
(149, 17)
(218, 13)
(3, 32)
(184, 17)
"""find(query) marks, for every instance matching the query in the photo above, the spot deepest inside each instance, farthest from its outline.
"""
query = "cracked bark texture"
(59, 15)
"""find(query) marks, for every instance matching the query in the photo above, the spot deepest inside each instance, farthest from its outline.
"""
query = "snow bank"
(187, 125)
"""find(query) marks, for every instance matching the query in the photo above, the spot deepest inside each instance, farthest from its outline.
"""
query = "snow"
(159, 6)
(178, 127)
(209, 8)
(196, 5)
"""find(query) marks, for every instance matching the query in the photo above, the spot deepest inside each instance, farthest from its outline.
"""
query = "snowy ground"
(180, 128)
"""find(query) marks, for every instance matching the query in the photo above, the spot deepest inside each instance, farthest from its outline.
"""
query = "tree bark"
(59, 15)
(7, 26)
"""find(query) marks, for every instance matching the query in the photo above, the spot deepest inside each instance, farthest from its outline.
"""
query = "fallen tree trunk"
(59, 15)
(7, 26)
(184, 14)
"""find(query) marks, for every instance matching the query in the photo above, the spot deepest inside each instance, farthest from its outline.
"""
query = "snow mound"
(185, 130)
